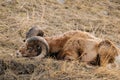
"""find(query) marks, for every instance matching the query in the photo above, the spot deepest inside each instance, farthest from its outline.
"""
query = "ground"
(98, 17)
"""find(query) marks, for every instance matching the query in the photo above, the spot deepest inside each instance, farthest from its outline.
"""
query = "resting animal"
(71, 45)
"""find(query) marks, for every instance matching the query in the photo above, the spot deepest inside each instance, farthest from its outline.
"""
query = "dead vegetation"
(98, 17)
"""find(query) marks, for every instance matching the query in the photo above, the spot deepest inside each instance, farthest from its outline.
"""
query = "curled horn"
(39, 44)
(34, 31)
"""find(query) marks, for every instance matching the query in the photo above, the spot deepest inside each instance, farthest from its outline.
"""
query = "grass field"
(98, 17)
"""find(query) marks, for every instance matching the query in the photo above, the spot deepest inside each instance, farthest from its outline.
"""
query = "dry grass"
(98, 17)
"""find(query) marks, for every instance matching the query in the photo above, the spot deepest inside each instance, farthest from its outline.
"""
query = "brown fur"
(83, 46)
(107, 51)
(86, 50)
(56, 43)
